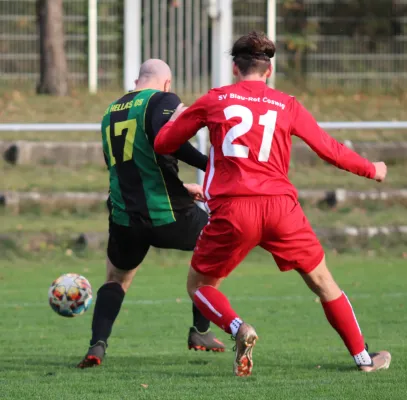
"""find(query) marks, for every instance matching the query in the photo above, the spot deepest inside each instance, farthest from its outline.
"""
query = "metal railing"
(93, 127)
(202, 136)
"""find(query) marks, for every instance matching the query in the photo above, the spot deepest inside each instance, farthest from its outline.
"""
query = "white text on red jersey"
(252, 99)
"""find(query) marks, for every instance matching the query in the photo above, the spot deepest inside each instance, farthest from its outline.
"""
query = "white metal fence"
(180, 36)
(202, 136)
(316, 46)
(19, 49)
(319, 47)
(93, 127)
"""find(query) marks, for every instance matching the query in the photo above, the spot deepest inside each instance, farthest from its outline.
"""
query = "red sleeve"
(305, 127)
(175, 133)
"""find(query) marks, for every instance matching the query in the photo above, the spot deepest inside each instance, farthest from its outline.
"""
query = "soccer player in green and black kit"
(149, 205)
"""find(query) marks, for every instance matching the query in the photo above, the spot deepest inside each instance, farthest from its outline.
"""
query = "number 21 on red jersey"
(267, 120)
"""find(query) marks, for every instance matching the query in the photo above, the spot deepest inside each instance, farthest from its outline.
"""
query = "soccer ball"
(70, 295)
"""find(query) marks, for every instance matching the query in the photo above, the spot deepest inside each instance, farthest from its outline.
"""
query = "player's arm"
(185, 126)
(305, 127)
(161, 110)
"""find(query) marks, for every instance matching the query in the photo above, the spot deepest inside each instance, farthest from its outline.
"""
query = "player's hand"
(195, 191)
(178, 111)
(381, 171)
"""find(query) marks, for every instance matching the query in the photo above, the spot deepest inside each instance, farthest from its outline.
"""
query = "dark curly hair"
(252, 53)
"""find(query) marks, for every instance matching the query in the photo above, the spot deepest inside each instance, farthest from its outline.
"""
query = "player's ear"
(235, 70)
(269, 71)
(136, 82)
(167, 85)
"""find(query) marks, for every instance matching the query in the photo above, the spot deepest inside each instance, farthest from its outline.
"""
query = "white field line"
(265, 299)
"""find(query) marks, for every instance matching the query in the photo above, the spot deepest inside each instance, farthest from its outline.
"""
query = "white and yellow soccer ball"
(70, 295)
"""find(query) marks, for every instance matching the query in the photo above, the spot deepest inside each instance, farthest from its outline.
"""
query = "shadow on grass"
(160, 365)
(334, 367)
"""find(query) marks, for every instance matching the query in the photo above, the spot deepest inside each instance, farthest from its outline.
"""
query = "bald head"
(154, 74)
(154, 69)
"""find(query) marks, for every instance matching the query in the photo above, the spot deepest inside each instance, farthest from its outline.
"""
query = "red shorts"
(276, 223)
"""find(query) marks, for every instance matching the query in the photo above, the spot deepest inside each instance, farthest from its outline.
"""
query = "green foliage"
(297, 41)
(359, 26)
(376, 19)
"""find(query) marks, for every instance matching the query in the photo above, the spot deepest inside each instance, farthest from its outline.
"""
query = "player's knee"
(324, 286)
(196, 280)
(320, 280)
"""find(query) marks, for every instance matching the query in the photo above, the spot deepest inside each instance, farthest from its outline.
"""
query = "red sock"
(340, 315)
(215, 306)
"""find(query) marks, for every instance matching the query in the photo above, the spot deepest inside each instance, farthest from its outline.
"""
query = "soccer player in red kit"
(252, 202)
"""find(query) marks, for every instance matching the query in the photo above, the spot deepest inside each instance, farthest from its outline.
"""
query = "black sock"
(108, 303)
(200, 322)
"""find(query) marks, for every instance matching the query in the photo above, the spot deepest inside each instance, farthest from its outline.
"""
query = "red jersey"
(250, 127)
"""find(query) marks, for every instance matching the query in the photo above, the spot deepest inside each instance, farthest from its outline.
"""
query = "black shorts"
(127, 246)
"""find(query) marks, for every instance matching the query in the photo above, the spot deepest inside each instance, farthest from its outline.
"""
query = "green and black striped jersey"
(144, 184)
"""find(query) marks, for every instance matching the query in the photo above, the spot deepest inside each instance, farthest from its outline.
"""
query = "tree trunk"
(53, 63)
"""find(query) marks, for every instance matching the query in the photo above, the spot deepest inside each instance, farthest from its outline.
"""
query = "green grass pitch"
(298, 355)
